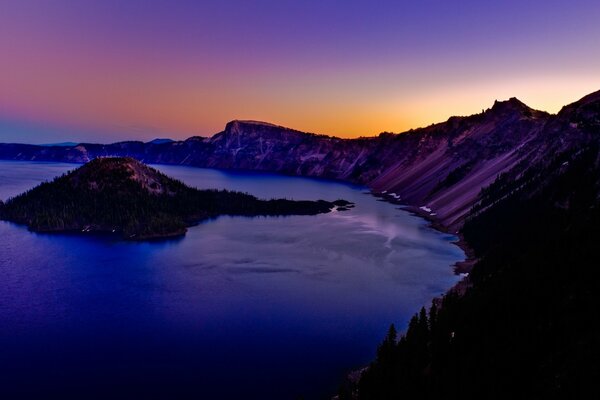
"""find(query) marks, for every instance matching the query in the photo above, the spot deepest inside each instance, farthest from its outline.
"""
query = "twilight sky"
(108, 70)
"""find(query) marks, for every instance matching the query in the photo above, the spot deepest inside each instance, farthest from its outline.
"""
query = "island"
(122, 196)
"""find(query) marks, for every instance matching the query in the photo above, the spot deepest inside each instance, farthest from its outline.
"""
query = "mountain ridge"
(442, 167)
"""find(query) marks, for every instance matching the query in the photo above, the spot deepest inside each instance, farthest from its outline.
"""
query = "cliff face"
(260, 146)
(442, 167)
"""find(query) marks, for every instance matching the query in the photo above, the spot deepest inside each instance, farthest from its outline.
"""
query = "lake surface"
(266, 308)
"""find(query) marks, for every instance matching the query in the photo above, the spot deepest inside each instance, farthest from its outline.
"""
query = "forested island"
(123, 196)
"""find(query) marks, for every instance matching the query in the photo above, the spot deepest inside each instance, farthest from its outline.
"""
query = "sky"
(109, 70)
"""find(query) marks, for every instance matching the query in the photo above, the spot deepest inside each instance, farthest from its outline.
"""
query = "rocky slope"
(441, 168)
(524, 325)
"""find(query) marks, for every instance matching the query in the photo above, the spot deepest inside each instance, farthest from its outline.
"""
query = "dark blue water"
(266, 308)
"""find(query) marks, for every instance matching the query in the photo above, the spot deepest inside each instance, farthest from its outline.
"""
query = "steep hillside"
(526, 325)
(443, 168)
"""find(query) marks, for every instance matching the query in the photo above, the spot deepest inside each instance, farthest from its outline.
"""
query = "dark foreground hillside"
(528, 325)
(125, 197)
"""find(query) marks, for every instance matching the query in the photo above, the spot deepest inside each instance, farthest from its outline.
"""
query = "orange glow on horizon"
(178, 111)
(141, 102)
(109, 71)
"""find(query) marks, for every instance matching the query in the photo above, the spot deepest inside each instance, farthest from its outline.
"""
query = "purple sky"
(111, 70)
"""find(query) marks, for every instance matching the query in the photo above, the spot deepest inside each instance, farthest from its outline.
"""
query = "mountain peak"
(161, 141)
(511, 104)
(103, 172)
(250, 122)
(248, 130)
(237, 124)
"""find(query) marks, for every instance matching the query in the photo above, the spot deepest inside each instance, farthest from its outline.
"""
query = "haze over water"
(270, 307)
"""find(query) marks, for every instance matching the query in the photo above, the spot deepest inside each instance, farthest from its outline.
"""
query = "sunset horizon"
(86, 72)
(69, 134)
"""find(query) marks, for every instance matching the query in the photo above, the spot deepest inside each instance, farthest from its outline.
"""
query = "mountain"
(442, 167)
(524, 323)
(161, 141)
(125, 197)
(61, 144)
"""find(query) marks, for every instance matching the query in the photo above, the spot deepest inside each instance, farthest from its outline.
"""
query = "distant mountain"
(125, 197)
(61, 144)
(161, 141)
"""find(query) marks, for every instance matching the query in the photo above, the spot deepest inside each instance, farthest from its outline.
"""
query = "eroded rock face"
(441, 168)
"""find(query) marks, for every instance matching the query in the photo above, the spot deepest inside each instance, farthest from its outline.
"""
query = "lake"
(266, 308)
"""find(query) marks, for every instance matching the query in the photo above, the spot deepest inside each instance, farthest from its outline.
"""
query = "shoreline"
(461, 268)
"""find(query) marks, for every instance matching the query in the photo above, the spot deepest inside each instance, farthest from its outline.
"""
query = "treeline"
(527, 326)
